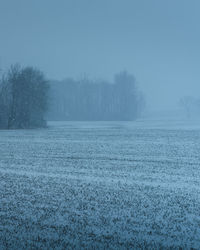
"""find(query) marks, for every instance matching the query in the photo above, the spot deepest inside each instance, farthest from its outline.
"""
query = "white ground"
(113, 185)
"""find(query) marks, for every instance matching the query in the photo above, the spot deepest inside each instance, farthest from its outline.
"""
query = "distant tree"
(189, 105)
(23, 98)
(126, 96)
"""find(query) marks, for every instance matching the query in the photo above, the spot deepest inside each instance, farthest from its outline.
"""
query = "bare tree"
(189, 104)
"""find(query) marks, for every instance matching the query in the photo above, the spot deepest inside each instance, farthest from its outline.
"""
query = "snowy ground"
(107, 185)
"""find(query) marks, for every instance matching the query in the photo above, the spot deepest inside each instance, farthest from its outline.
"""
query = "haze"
(156, 40)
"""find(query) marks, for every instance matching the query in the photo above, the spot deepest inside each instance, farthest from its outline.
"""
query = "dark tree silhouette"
(23, 98)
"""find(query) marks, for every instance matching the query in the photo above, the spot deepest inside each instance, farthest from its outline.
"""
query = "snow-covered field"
(101, 185)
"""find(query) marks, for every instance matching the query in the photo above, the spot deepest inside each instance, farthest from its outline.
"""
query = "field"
(101, 185)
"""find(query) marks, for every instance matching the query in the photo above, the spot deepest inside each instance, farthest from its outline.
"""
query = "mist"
(156, 41)
(99, 124)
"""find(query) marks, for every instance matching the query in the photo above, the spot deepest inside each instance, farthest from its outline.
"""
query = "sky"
(156, 40)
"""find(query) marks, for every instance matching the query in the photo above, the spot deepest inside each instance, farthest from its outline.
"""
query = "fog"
(99, 124)
(157, 41)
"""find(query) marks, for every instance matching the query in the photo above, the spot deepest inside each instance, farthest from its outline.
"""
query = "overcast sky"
(156, 40)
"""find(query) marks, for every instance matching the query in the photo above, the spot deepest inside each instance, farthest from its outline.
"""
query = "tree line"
(87, 99)
(27, 99)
